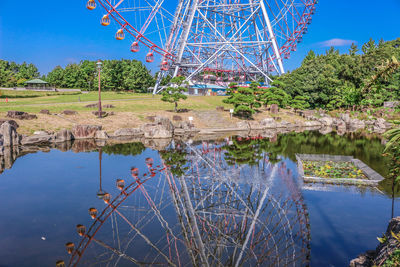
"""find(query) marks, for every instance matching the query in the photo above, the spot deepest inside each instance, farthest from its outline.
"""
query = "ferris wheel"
(234, 40)
(203, 214)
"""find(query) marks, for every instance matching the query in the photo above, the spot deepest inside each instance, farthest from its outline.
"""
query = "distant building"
(207, 89)
(37, 84)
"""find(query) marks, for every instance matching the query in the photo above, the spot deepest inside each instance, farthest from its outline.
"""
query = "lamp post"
(99, 64)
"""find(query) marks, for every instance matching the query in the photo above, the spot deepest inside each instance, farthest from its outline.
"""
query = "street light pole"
(99, 63)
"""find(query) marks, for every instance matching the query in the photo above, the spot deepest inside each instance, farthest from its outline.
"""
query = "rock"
(326, 121)
(283, 124)
(357, 124)
(108, 106)
(161, 128)
(243, 125)
(40, 132)
(37, 139)
(12, 122)
(156, 131)
(274, 109)
(382, 252)
(326, 130)
(254, 125)
(69, 112)
(20, 115)
(128, 132)
(184, 125)
(63, 136)
(312, 124)
(177, 118)
(9, 134)
(164, 122)
(92, 106)
(101, 135)
(392, 104)
(96, 113)
(45, 111)
(220, 108)
(85, 131)
(268, 123)
(346, 118)
(380, 123)
(363, 260)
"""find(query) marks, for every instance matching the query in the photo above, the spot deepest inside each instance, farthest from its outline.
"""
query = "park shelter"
(207, 89)
(37, 84)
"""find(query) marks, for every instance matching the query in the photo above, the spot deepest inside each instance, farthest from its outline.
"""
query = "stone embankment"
(159, 128)
(378, 256)
(342, 124)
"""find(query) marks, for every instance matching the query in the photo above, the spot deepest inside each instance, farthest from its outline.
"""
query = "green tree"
(300, 103)
(174, 93)
(244, 100)
(56, 77)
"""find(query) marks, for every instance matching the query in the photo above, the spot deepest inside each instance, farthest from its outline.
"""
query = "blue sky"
(50, 33)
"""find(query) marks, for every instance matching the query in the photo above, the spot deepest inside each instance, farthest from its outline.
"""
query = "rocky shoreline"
(162, 128)
(378, 256)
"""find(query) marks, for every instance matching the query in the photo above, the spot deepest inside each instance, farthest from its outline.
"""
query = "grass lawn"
(58, 101)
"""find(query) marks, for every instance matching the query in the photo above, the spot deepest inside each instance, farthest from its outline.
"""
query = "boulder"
(254, 125)
(380, 123)
(326, 121)
(164, 122)
(346, 118)
(184, 125)
(40, 132)
(9, 134)
(128, 132)
(85, 131)
(101, 135)
(392, 104)
(91, 105)
(177, 118)
(96, 113)
(63, 136)
(274, 109)
(37, 139)
(268, 123)
(108, 106)
(312, 124)
(156, 131)
(69, 112)
(20, 115)
(357, 124)
(12, 122)
(284, 124)
(45, 111)
(243, 125)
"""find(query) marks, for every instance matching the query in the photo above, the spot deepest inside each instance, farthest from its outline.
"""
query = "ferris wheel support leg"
(185, 36)
(160, 76)
(272, 37)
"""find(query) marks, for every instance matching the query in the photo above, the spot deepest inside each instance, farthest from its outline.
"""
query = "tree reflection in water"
(202, 205)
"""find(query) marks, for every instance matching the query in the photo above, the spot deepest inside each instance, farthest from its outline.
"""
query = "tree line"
(357, 78)
(116, 75)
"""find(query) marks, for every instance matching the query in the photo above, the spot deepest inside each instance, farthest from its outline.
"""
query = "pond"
(236, 201)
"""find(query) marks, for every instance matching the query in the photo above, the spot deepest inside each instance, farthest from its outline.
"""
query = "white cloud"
(336, 42)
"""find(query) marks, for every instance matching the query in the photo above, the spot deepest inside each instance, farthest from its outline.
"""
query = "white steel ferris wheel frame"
(234, 40)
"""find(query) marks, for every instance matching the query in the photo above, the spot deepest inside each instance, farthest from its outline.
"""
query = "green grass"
(35, 101)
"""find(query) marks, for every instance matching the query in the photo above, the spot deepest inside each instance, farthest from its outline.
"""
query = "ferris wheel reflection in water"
(196, 208)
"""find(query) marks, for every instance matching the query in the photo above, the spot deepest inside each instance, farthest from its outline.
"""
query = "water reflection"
(200, 205)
